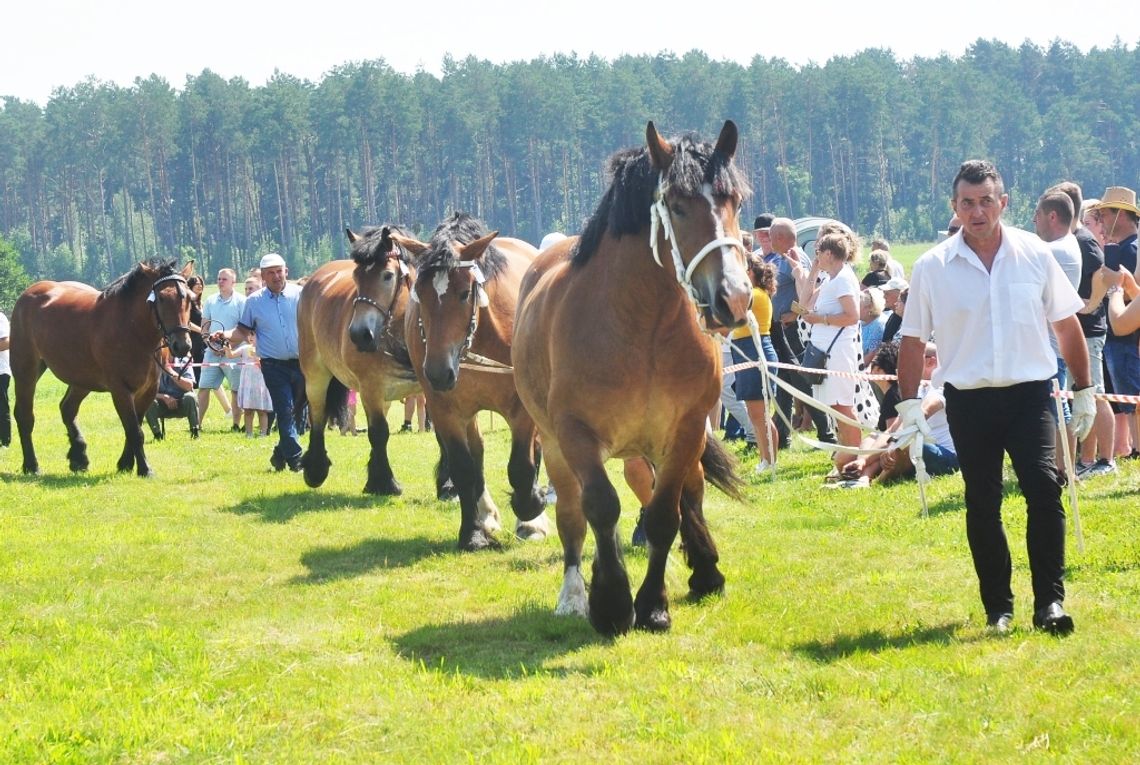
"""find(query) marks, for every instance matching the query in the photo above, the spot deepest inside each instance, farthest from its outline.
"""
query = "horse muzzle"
(366, 334)
(441, 374)
(729, 303)
(179, 342)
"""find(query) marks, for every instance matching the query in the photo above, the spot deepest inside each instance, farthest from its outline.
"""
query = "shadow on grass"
(327, 564)
(281, 508)
(70, 480)
(501, 649)
(876, 641)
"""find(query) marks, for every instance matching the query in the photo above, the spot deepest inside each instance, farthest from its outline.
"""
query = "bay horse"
(105, 341)
(611, 360)
(351, 334)
(461, 318)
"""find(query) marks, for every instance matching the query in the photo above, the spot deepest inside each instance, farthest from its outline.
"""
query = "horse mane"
(460, 228)
(137, 275)
(624, 208)
(372, 247)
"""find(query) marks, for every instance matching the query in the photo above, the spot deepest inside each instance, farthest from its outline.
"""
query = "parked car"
(807, 231)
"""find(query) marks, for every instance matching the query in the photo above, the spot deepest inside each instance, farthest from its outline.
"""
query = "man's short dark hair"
(977, 171)
(1073, 191)
(763, 220)
(1057, 202)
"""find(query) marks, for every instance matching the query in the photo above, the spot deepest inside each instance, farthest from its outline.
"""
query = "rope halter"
(659, 216)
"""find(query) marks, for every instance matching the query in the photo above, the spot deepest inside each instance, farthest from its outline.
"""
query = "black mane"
(459, 229)
(624, 208)
(373, 246)
(137, 275)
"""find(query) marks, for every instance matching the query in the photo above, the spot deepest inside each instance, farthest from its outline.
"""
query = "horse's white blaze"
(369, 267)
(487, 514)
(440, 281)
(731, 266)
(572, 599)
(534, 529)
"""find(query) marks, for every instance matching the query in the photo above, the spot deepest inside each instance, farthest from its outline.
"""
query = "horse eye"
(464, 296)
(677, 210)
(388, 276)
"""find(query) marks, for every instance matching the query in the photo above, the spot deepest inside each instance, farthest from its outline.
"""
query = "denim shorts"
(1123, 359)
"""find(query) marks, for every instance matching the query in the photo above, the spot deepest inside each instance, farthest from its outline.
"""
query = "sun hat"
(1119, 198)
(272, 260)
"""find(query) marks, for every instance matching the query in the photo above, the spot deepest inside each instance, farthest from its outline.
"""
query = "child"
(252, 395)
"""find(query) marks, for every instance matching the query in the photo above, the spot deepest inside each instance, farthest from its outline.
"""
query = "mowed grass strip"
(222, 613)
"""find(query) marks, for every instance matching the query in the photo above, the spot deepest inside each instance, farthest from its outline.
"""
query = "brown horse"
(612, 361)
(99, 341)
(351, 333)
(461, 317)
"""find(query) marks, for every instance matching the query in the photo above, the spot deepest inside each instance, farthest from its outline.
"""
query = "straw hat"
(1119, 198)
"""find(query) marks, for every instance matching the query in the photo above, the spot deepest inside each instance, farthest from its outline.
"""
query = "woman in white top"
(833, 313)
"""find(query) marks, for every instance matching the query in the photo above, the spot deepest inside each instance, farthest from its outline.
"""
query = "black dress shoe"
(1053, 619)
(999, 624)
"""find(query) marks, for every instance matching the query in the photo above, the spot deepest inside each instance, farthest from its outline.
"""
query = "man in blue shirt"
(271, 314)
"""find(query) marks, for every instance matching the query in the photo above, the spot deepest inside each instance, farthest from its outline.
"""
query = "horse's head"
(170, 299)
(698, 198)
(449, 289)
(381, 276)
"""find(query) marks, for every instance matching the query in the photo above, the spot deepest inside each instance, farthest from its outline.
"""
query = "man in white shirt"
(990, 293)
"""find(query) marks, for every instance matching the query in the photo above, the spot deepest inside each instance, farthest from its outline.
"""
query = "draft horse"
(612, 360)
(351, 334)
(104, 341)
(461, 319)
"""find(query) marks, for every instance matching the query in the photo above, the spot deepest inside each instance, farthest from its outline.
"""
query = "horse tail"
(720, 469)
(336, 402)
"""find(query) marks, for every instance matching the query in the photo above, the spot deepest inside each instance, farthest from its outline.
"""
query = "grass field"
(221, 613)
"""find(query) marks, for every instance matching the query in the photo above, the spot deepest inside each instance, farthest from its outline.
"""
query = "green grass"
(221, 613)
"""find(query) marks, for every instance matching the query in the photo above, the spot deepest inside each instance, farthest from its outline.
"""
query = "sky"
(59, 43)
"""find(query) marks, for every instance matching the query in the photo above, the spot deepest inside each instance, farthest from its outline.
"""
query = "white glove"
(1084, 411)
(910, 415)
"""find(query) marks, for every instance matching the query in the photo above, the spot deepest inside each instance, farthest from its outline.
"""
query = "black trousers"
(986, 424)
(5, 412)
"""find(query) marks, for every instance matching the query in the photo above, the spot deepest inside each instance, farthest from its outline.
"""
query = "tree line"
(221, 172)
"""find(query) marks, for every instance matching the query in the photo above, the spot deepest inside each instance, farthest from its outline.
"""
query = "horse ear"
(352, 237)
(474, 250)
(660, 150)
(726, 143)
(414, 246)
(188, 269)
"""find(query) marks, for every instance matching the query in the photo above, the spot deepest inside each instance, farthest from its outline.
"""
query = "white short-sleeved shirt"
(5, 331)
(992, 327)
(845, 284)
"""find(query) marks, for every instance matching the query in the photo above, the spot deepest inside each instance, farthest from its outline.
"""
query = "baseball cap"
(763, 220)
(272, 260)
(895, 284)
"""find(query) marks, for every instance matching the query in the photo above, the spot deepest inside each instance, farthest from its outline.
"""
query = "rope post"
(1069, 467)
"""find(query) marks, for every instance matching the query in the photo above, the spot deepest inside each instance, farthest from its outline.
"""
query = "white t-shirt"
(992, 327)
(827, 302)
(1067, 251)
(5, 331)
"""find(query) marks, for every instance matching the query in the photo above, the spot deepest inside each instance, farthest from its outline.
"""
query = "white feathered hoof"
(572, 599)
(534, 530)
(487, 515)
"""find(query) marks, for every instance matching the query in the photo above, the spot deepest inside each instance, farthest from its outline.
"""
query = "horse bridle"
(152, 298)
(473, 324)
(659, 214)
(392, 255)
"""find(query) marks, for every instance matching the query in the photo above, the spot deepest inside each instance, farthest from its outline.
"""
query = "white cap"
(272, 260)
(551, 238)
(895, 284)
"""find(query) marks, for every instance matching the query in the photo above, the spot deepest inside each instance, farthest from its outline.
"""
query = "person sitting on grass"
(938, 454)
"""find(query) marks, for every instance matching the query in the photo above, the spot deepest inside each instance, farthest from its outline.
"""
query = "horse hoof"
(656, 620)
(388, 489)
(31, 469)
(613, 616)
(478, 541)
(529, 509)
(533, 530)
(316, 469)
(704, 585)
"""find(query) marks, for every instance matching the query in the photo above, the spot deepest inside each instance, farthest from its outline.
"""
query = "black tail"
(720, 469)
(336, 402)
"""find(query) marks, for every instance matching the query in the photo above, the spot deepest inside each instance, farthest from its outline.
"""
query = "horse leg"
(68, 412)
(140, 402)
(315, 461)
(696, 540)
(488, 512)
(24, 411)
(472, 536)
(611, 603)
(444, 486)
(126, 405)
(526, 499)
(571, 531)
(380, 477)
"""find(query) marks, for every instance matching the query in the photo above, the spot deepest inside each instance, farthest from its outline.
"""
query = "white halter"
(659, 214)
